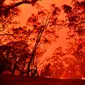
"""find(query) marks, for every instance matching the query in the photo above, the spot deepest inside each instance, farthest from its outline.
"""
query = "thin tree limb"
(42, 28)
(18, 4)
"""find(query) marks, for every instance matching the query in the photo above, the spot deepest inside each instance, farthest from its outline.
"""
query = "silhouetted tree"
(15, 53)
(76, 24)
(23, 45)
(5, 63)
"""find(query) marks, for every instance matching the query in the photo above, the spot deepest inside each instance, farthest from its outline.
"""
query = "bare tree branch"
(19, 3)
(6, 34)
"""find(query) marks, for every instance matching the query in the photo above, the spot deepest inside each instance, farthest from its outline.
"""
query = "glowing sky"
(27, 10)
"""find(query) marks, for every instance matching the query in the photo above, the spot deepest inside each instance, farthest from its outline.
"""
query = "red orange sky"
(27, 10)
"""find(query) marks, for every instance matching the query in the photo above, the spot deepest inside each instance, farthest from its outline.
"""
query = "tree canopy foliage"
(22, 48)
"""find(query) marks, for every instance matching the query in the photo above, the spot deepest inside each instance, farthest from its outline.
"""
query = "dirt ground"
(25, 80)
